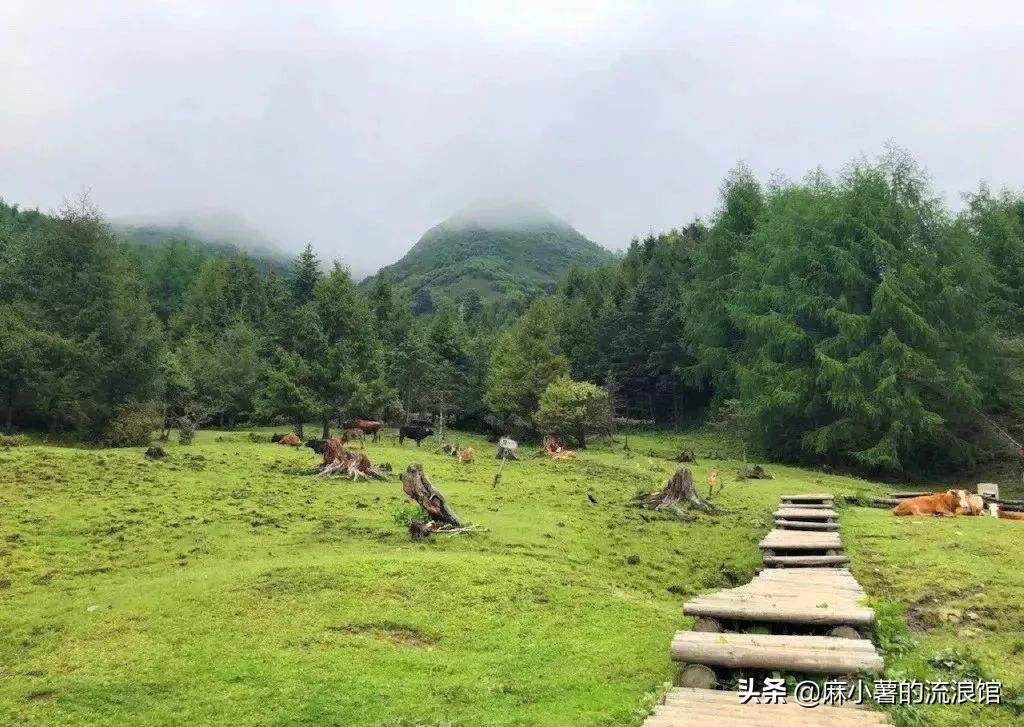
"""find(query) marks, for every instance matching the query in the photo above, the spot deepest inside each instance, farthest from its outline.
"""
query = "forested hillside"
(509, 252)
(851, 321)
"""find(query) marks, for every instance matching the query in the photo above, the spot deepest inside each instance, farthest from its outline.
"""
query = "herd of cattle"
(358, 432)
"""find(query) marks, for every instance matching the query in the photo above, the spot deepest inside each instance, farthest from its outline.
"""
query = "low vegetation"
(223, 584)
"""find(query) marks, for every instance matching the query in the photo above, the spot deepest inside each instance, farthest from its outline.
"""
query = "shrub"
(574, 408)
(186, 430)
(132, 425)
(13, 440)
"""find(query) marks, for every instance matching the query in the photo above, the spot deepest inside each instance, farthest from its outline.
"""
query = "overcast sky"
(358, 125)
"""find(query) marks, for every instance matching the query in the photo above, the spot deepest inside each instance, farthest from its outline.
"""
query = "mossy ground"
(225, 585)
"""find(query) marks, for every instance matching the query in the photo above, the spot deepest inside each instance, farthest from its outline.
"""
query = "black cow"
(317, 445)
(415, 432)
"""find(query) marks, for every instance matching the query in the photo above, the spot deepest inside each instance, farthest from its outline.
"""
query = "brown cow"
(370, 427)
(467, 455)
(291, 440)
(950, 502)
(974, 505)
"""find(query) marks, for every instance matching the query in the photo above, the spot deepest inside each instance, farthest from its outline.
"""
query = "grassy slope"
(225, 585)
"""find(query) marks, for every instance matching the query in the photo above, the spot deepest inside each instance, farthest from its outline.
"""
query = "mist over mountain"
(494, 248)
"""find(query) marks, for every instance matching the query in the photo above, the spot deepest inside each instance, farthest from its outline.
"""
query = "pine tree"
(305, 275)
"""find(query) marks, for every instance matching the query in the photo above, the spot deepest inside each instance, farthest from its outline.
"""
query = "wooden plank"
(783, 611)
(690, 707)
(800, 540)
(814, 654)
(805, 513)
(813, 497)
(799, 561)
(804, 525)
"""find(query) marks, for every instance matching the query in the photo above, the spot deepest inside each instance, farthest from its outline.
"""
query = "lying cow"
(467, 455)
(415, 432)
(291, 440)
(950, 502)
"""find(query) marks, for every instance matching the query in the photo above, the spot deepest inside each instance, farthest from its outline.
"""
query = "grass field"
(225, 585)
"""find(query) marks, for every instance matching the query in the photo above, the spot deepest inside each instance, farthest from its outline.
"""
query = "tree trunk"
(581, 437)
(299, 428)
(327, 428)
(680, 490)
(416, 485)
(9, 418)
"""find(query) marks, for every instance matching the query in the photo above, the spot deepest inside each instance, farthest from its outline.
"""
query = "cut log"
(683, 707)
(814, 654)
(798, 561)
(800, 540)
(804, 525)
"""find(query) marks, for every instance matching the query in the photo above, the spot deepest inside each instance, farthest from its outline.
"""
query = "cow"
(974, 505)
(467, 455)
(370, 427)
(415, 432)
(950, 502)
(291, 440)
(317, 445)
(276, 437)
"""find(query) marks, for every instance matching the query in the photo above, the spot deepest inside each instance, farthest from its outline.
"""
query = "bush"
(132, 425)
(186, 430)
(574, 408)
(13, 440)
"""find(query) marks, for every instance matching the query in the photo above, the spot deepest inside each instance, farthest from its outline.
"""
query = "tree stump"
(679, 491)
(417, 486)
(696, 676)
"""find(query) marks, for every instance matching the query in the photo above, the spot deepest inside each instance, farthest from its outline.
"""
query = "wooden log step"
(804, 525)
(800, 540)
(832, 609)
(814, 654)
(814, 497)
(806, 513)
(684, 707)
(800, 561)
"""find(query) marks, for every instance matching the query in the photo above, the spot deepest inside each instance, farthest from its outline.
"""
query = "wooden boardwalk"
(802, 585)
(684, 707)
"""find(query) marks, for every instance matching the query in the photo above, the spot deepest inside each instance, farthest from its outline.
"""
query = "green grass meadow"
(226, 585)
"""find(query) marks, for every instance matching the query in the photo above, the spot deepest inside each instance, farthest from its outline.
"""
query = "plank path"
(803, 585)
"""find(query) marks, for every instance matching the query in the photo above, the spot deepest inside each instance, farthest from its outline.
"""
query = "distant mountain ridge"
(496, 250)
(262, 253)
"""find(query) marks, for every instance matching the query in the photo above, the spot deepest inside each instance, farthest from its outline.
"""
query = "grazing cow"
(370, 427)
(415, 432)
(467, 455)
(317, 445)
(950, 502)
(291, 440)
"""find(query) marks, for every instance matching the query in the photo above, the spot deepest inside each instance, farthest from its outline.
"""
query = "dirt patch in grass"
(390, 632)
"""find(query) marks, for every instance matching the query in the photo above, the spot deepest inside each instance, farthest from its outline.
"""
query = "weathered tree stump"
(417, 486)
(679, 491)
